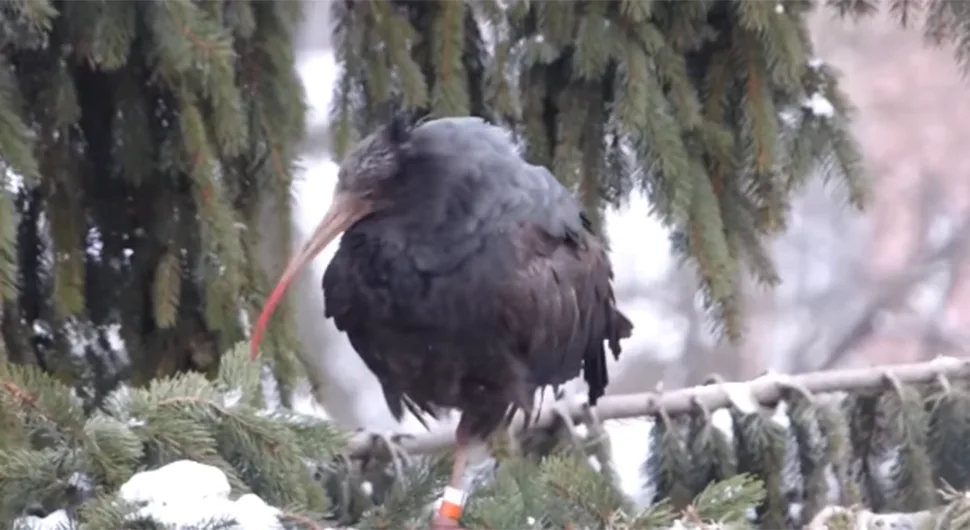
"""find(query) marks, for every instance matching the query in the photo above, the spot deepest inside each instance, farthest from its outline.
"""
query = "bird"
(466, 278)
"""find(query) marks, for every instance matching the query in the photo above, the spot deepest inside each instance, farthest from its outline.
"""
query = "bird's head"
(374, 160)
(364, 172)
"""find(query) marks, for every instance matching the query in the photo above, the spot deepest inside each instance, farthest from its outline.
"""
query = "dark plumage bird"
(466, 277)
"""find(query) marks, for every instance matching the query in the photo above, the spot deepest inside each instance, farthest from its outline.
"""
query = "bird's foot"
(390, 449)
(561, 410)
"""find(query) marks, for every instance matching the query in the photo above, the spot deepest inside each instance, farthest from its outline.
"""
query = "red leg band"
(452, 505)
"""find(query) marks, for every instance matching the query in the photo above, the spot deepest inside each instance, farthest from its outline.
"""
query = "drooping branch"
(765, 390)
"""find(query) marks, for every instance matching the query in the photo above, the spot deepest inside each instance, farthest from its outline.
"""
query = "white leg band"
(454, 496)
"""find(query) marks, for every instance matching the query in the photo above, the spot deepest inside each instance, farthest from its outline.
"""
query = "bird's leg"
(459, 465)
(453, 503)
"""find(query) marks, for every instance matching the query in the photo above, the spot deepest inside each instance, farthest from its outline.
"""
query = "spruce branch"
(300, 521)
(729, 499)
(16, 143)
(8, 240)
(766, 390)
(48, 441)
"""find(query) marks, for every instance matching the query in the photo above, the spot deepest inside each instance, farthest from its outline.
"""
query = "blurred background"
(886, 286)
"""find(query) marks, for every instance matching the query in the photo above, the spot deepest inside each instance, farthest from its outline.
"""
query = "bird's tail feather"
(595, 371)
(620, 328)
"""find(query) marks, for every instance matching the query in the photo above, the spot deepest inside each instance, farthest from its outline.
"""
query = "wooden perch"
(765, 390)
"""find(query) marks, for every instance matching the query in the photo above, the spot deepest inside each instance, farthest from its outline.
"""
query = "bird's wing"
(533, 245)
(366, 302)
(558, 290)
(561, 301)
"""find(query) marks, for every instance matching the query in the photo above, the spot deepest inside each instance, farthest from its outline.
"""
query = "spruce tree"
(136, 141)
(713, 108)
(137, 138)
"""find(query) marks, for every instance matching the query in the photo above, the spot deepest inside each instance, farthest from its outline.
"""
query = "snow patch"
(58, 520)
(187, 493)
(182, 494)
(819, 105)
(232, 398)
(12, 181)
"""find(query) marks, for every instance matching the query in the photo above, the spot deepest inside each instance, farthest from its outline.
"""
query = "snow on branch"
(764, 390)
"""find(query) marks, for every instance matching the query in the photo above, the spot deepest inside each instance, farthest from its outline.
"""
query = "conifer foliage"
(53, 456)
(888, 449)
(897, 449)
(46, 439)
(136, 140)
(714, 108)
(138, 137)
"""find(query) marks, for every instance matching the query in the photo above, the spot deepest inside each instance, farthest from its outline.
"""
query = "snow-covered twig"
(858, 518)
(765, 390)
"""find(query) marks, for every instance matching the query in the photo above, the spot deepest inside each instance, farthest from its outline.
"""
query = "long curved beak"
(345, 210)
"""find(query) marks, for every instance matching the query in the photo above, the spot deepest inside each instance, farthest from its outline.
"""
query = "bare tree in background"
(830, 304)
(889, 285)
